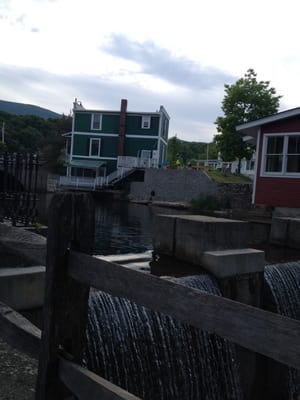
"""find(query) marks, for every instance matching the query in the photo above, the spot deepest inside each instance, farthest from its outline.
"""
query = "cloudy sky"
(161, 52)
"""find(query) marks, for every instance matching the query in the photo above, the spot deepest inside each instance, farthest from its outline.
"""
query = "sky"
(178, 54)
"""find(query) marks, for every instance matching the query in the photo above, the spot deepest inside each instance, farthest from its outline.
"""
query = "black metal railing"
(18, 188)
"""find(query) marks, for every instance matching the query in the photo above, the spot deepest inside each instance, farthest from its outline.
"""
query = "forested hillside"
(30, 133)
(26, 109)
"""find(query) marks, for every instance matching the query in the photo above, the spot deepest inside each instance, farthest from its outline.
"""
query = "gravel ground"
(18, 373)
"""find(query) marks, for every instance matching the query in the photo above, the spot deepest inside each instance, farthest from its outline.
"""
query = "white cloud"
(179, 54)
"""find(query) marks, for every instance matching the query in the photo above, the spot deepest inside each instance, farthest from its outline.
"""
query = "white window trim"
(146, 119)
(99, 147)
(283, 173)
(92, 122)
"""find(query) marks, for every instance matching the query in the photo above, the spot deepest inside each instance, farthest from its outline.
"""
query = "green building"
(105, 146)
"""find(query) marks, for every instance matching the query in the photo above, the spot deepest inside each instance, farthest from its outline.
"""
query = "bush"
(208, 203)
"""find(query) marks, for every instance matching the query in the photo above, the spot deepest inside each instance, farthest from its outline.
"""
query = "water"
(121, 227)
(283, 286)
(156, 357)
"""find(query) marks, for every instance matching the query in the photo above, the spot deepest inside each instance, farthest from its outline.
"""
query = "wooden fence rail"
(69, 275)
(270, 334)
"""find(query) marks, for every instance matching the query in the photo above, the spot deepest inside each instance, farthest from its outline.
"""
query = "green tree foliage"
(244, 101)
(32, 134)
(188, 151)
(174, 149)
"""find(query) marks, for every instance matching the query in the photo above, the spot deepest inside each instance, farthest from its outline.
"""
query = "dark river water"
(121, 227)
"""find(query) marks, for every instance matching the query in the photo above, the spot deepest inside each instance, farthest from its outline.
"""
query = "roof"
(89, 164)
(250, 128)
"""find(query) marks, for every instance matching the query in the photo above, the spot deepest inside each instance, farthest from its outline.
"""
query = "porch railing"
(91, 183)
(137, 162)
(77, 182)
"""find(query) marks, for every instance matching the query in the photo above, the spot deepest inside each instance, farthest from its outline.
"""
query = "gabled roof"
(250, 128)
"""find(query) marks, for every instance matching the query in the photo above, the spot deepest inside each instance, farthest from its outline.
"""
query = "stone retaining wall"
(186, 185)
(172, 185)
(235, 195)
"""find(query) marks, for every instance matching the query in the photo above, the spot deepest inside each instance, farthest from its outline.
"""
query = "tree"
(174, 149)
(244, 101)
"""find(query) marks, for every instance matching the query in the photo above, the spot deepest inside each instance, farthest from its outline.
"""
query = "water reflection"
(123, 227)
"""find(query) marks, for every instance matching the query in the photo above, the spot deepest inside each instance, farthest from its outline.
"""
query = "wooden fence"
(69, 275)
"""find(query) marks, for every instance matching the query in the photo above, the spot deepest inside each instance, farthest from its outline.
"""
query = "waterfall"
(283, 296)
(154, 356)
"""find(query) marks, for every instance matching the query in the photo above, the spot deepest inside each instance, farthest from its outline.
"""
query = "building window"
(94, 147)
(282, 154)
(96, 122)
(293, 155)
(146, 121)
(274, 156)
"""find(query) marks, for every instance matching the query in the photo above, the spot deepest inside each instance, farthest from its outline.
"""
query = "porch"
(85, 174)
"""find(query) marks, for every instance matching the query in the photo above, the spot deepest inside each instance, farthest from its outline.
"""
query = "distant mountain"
(26, 109)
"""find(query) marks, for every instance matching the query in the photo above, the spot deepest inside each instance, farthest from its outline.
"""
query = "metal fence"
(18, 188)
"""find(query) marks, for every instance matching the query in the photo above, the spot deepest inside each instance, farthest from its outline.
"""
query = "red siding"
(280, 192)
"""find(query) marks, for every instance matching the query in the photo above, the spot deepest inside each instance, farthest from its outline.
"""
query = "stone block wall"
(172, 186)
(235, 195)
(186, 185)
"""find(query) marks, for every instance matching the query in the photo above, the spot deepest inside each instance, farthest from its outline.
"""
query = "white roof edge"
(270, 118)
(117, 112)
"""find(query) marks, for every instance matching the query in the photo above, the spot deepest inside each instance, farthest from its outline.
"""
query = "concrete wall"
(186, 185)
(22, 288)
(172, 185)
(187, 237)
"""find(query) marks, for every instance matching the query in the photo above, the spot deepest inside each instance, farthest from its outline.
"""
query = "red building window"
(281, 154)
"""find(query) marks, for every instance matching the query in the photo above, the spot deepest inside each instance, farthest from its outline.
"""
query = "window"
(146, 121)
(96, 122)
(293, 155)
(281, 154)
(95, 147)
(274, 156)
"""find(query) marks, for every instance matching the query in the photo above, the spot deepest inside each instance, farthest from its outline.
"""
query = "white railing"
(136, 162)
(247, 167)
(118, 174)
(92, 183)
(100, 181)
(78, 182)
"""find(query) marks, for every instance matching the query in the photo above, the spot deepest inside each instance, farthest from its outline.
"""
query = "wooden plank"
(71, 225)
(18, 331)
(127, 258)
(86, 385)
(270, 334)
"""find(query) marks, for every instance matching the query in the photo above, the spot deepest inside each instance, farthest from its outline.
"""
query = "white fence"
(78, 182)
(85, 183)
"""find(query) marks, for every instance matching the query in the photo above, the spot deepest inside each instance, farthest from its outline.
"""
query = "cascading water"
(283, 284)
(155, 357)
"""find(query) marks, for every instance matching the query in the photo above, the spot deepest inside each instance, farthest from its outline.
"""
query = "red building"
(277, 171)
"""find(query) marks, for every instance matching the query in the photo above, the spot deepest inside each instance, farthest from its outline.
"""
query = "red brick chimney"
(121, 141)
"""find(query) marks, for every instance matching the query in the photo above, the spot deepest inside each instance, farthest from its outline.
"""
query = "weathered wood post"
(71, 225)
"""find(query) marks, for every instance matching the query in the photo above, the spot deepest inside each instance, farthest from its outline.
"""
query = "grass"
(222, 177)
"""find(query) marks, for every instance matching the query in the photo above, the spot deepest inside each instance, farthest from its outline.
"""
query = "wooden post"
(71, 225)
